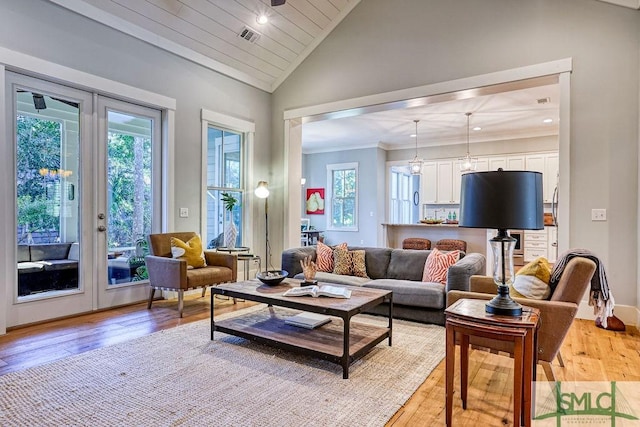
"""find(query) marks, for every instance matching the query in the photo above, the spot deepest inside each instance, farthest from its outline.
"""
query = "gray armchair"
(167, 273)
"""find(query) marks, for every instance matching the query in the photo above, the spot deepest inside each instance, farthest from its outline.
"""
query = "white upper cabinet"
(445, 182)
(429, 183)
(441, 179)
(515, 163)
(547, 164)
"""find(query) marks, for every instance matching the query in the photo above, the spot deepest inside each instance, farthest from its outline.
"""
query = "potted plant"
(230, 230)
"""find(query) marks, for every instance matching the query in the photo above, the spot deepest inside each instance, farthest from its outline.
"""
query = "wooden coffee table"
(341, 342)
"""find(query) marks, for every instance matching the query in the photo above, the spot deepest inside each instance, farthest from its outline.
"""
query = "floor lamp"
(269, 277)
(502, 200)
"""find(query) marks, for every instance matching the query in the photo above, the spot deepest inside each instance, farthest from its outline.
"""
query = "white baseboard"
(628, 314)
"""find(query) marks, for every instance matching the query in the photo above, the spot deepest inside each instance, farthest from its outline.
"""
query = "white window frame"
(400, 207)
(247, 129)
(329, 196)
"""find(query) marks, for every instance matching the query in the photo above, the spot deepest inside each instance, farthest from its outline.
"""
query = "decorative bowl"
(432, 221)
(272, 277)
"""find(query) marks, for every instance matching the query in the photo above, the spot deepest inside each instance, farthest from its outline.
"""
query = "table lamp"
(502, 200)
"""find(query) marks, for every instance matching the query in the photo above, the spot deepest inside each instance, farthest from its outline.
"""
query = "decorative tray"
(432, 221)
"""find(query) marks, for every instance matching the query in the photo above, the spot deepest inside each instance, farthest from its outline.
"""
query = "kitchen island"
(476, 238)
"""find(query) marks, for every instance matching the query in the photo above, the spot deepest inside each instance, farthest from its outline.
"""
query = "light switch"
(598, 214)
(184, 212)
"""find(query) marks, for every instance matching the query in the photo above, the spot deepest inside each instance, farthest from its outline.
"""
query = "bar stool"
(416, 243)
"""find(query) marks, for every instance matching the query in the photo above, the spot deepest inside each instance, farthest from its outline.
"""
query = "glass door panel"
(50, 125)
(129, 198)
(129, 213)
(47, 166)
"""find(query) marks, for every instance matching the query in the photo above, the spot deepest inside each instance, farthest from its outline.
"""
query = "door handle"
(102, 228)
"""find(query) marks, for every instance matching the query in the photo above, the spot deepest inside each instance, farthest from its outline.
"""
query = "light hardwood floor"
(590, 354)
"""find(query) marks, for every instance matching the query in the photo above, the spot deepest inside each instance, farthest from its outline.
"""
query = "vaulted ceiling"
(215, 33)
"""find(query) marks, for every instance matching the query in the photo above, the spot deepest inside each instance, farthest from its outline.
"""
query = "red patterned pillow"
(324, 256)
(437, 264)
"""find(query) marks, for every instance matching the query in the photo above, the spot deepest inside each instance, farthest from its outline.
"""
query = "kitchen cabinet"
(541, 243)
(496, 163)
(515, 163)
(441, 179)
(429, 183)
(445, 183)
(547, 164)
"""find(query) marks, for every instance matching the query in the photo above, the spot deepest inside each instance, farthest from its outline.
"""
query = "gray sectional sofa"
(398, 270)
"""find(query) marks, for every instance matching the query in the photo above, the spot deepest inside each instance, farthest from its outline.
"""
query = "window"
(225, 169)
(343, 196)
(400, 208)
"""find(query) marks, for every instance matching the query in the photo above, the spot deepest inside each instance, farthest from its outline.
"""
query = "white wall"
(371, 177)
(384, 46)
(46, 31)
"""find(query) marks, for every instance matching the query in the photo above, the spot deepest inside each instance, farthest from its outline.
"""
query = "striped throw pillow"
(324, 256)
(437, 265)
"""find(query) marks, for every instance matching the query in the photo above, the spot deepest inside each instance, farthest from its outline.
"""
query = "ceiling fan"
(277, 2)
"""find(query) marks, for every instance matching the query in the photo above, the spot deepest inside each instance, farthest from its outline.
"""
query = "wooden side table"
(466, 318)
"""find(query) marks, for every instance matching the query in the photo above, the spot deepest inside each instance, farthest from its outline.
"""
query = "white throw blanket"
(600, 296)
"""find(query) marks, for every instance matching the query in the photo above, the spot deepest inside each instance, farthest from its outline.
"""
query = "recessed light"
(477, 128)
(262, 19)
(413, 135)
(547, 121)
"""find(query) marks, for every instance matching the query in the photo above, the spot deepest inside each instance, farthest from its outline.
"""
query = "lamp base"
(502, 304)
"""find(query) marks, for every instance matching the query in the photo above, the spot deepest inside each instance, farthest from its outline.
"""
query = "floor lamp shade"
(502, 200)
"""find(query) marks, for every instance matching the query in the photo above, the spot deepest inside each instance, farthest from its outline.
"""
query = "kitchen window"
(342, 185)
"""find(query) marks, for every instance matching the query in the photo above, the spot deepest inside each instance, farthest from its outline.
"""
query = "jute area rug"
(178, 377)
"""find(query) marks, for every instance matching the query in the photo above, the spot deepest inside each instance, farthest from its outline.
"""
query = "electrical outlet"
(598, 214)
(184, 212)
(362, 242)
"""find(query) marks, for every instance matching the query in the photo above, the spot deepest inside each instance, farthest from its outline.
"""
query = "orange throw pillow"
(324, 256)
(437, 265)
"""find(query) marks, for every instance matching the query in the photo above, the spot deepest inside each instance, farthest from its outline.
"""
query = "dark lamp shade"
(502, 200)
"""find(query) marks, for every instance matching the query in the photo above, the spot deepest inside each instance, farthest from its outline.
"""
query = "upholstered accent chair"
(451, 245)
(170, 274)
(556, 314)
(416, 243)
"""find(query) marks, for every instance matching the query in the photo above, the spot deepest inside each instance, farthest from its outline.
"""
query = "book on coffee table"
(307, 320)
(319, 291)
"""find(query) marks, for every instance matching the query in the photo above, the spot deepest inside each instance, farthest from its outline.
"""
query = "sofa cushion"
(23, 253)
(437, 265)
(325, 256)
(337, 279)
(190, 251)
(59, 264)
(376, 260)
(49, 251)
(350, 263)
(406, 264)
(412, 293)
(29, 267)
(532, 280)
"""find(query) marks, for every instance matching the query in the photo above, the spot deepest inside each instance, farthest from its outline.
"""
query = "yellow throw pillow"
(190, 251)
(532, 280)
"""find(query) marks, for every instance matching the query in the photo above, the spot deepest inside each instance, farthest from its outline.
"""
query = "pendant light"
(468, 163)
(415, 165)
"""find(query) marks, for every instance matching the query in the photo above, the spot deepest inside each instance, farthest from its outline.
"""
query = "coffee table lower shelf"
(326, 342)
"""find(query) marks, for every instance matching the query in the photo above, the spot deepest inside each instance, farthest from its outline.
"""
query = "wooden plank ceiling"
(207, 31)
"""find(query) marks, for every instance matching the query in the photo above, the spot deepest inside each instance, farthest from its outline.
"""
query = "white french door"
(87, 191)
(129, 198)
